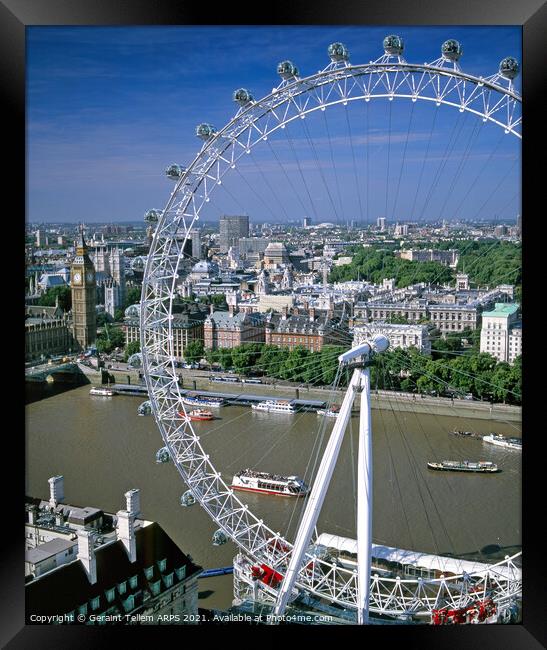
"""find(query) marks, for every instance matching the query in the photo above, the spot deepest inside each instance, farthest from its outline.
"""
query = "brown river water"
(103, 448)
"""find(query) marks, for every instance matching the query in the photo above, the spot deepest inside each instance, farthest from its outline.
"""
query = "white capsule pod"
(162, 455)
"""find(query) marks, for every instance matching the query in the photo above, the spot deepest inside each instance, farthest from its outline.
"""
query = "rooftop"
(47, 550)
(502, 309)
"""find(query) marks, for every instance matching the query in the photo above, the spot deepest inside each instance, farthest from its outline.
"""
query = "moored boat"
(195, 400)
(102, 392)
(502, 441)
(464, 466)
(263, 482)
(457, 432)
(275, 406)
(331, 412)
(198, 414)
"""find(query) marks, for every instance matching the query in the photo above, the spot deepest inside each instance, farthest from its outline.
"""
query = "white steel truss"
(492, 99)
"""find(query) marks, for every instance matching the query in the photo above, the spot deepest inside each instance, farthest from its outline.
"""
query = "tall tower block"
(84, 296)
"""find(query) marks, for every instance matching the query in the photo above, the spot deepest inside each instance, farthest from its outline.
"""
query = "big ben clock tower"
(84, 296)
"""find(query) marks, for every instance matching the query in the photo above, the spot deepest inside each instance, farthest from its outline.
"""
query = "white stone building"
(400, 336)
(501, 333)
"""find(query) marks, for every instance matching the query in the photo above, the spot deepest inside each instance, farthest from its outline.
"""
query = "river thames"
(103, 448)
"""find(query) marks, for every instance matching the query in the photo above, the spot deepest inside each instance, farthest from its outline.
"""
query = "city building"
(311, 330)
(455, 317)
(187, 326)
(232, 229)
(413, 311)
(401, 230)
(381, 223)
(400, 336)
(501, 332)
(275, 255)
(252, 245)
(462, 282)
(105, 568)
(306, 222)
(84, 296)
(447, 258)
(228, 329)
(48, 332)
(110, 274)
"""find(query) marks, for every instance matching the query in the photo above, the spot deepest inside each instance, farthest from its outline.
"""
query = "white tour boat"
(266, 483)
(275, 406)
(102, 392)
(501, 441)
(203, 401)
(332, 412)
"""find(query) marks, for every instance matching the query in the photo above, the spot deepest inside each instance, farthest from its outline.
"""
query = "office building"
(232, 229)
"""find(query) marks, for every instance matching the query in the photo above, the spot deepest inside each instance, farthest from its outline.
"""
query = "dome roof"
(133, 311)
(205, 267)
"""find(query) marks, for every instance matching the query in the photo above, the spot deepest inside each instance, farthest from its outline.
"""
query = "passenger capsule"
(145, 409)
(152, 216)
(509, 67)
(338, 52)
(187, 499)
(393, 45)
(287, 69)
(162, 455)
(242, 96)
(205, 131)
(451, 50)
(135, 360)
(174, 172)
(219, 538)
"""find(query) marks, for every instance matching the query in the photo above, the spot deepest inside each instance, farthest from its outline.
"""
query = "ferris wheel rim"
(285, 93)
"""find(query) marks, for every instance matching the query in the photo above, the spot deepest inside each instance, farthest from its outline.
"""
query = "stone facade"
(223, 329)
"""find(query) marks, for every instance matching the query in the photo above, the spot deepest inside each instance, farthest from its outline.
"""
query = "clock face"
(77, 278)
(89, 276)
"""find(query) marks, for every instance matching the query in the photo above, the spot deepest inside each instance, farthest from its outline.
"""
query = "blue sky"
(108, 108)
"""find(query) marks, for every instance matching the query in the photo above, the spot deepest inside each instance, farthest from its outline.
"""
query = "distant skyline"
(109, 108)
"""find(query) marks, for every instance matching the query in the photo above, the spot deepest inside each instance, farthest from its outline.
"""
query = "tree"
(118, 315)
(132, 296)
(109, 339)
(271, 358)
(102, 318)
(63, 293)
(244, 357)
(294, 364)
(131, 348)
(193, 352)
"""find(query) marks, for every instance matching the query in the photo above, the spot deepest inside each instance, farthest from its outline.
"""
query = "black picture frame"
(16, 15)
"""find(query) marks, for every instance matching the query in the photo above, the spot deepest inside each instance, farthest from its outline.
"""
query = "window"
(133, 581)
(181, 572)
(155, 587)
(95, 603)
(168, 579)
(110, 593)
(162, 564)
(149, 572)
(122, 587)
(82, 610)
(129, 604)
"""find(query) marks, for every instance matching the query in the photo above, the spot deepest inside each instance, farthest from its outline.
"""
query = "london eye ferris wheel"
(296, 100)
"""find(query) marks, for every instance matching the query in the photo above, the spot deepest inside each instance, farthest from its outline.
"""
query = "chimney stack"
(56, 490)
(125, 531)
(86, 553)
(312, 314)
(284, 312)
(133, 501)
(211, 309)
